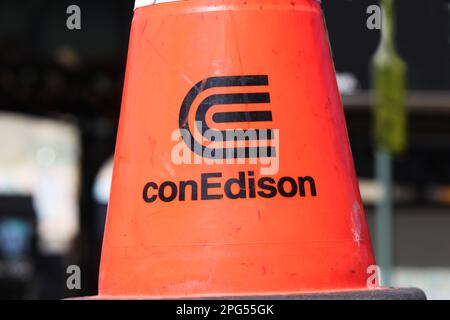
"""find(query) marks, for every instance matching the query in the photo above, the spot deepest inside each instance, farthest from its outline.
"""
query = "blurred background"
(60, 93)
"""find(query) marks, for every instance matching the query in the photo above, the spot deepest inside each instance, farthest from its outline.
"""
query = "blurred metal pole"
(383, 215)
(389, 80)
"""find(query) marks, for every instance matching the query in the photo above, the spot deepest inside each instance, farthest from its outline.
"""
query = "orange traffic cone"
(233, 174)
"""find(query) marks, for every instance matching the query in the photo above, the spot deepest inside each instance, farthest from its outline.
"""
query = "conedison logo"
(226, 146)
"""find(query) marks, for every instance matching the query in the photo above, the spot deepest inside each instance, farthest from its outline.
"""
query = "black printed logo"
(211, 134)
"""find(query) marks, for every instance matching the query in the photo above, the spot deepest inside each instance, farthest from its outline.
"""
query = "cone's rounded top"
(143, 3)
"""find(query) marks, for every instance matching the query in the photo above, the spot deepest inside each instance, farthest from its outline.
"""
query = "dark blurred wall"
(38, 28)
(422, 40)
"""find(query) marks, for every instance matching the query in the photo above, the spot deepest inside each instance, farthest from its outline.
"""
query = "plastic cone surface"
(286, 220)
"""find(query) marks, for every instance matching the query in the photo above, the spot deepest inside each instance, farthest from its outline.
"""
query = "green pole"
(388, 74)
(383, 216)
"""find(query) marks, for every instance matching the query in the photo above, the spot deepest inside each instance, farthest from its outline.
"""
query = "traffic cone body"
(287, 219)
